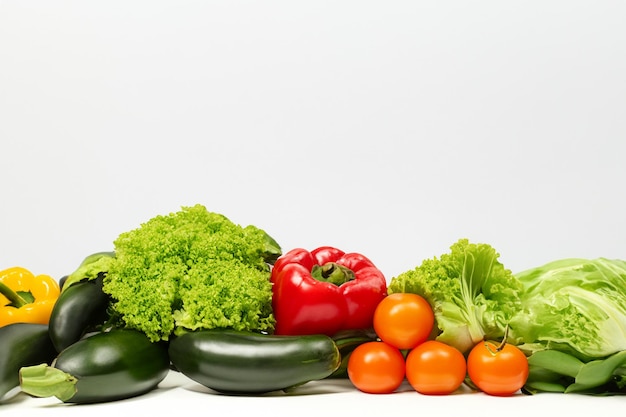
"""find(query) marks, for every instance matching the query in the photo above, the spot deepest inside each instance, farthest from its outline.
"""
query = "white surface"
(178, 395)
(387, 128)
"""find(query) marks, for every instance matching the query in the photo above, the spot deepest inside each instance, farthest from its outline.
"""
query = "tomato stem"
(504, 337)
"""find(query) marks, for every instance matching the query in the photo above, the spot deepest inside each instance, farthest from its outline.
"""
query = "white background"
(387, 128)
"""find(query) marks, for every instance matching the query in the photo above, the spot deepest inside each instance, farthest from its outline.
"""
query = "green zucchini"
(80, 308)
(21, 344)
(236, 362)
(105, 367)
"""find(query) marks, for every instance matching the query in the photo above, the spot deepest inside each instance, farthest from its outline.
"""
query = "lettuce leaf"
(472, 294)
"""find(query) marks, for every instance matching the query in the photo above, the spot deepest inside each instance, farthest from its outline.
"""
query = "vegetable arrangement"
(568, 317)
(194, 293)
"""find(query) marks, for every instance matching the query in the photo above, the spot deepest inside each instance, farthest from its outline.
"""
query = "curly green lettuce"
(472, 294)
(192, 269)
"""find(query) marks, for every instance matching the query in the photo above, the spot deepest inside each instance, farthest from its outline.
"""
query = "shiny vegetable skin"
(26, 297)
(22, 344)
(250, 363)
(105, 367)
(81, 307)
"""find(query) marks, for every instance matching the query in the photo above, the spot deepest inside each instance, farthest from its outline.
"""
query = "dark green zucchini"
(235, 362)
(21, 344)
(104, 367)
(80, 308)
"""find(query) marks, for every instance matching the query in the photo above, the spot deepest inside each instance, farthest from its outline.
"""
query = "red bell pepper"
(325, 291)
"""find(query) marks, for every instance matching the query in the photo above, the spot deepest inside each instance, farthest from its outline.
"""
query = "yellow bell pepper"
(25, 297)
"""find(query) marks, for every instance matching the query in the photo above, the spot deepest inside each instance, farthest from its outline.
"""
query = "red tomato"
(403, 320)
(376, 368)
(497, 370)
(435, 368)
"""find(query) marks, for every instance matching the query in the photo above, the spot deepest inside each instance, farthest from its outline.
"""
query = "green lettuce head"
(472, 294)
(574, 305)
(192, 269)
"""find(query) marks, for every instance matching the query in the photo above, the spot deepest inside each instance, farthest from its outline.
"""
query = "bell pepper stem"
(15, 299)
(333, 273)
(46, 381)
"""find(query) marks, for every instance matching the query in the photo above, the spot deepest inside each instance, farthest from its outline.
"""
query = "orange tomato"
(376, 368)
(496, 368)
(403, 320)
(435, 368)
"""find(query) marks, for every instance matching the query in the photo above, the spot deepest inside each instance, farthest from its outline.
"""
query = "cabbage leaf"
(573, 305)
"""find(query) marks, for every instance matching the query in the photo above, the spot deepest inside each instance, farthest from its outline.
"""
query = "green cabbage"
(576, 306)
(472, 294)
